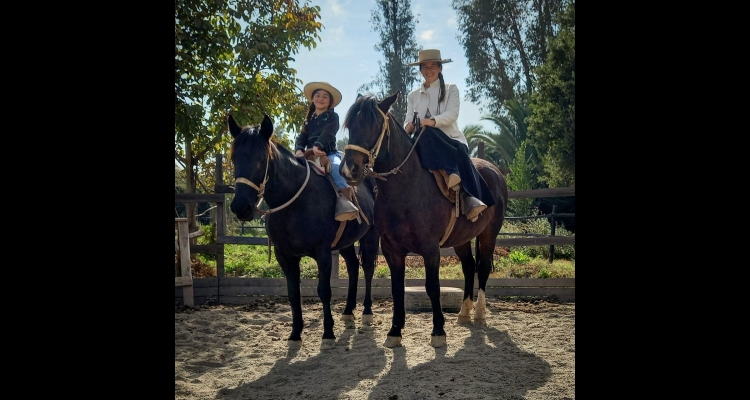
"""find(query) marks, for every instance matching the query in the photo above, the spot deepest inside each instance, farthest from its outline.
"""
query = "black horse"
(300, 221)
(415, 215)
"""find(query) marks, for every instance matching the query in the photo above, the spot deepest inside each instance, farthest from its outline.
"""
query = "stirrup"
(345, 209)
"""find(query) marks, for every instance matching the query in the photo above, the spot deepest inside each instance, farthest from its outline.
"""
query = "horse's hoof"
(327, 344)
(392, 341)
(464, 319)
(368, 319)
(348, 321)
(294, 344)
(437, 341)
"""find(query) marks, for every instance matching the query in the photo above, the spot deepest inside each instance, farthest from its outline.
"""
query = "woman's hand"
(318, 152)
(299, 153)
(428, 122)
(408, 127)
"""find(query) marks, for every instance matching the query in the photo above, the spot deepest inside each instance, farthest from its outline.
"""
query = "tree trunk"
(190, 208)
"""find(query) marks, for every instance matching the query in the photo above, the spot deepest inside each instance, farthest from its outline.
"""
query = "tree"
(552, 125)
(234, 56)
(395, 23)
(503, 41)
(341, 143)
(520, 177)
(501, 146)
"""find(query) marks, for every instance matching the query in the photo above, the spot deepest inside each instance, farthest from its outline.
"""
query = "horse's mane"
(364, 109)
(254, 129)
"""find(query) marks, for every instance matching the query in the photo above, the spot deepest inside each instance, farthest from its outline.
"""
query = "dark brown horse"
(300, 222)
(413, 214)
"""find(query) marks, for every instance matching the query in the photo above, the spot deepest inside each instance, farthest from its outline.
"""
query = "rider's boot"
(471, 207)
(345, 209)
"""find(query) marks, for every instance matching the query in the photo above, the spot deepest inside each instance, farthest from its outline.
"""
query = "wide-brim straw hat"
(430, 55)
(313, 86)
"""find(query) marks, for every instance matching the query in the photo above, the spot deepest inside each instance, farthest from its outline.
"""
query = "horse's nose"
(241, 210)
(349, 170)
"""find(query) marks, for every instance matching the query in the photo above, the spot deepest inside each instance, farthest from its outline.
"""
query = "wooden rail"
(512, 287)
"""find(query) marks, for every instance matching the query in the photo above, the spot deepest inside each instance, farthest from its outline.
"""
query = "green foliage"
(535, 268)
(520, 177)
(552, 124)
(380, 272)
(518, 257)
(234, 56)
(503, 42)
(540, 226)
(395, 22)
(341, 143)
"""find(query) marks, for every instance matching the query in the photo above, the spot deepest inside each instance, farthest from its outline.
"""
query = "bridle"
(372, 154)
(261, 189)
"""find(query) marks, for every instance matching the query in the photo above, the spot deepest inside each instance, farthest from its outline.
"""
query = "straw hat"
(429, 55)
(313, 86)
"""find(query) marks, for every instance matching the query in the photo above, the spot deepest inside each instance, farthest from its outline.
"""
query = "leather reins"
(262, 187)
(372, 154)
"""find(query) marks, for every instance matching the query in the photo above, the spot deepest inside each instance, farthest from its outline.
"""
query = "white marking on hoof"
(327, 344)
(437, 341)
(480, 314)
(368, 319)
(349, 321)
(294, 344)
(464, 316)
(392, 341)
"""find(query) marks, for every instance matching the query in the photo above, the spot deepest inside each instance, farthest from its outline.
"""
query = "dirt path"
(526, 351)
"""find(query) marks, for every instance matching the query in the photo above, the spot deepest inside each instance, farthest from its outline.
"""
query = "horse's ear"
(234, 129)
(266, 127)
(359, 95)
(385, 105)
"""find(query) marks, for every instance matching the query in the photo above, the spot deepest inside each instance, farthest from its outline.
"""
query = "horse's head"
(250, 154)
(366, 121)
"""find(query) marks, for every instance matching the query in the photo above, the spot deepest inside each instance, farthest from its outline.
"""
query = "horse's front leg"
(369, 250)
(397, 265)
(290, 266)
(324, 292)
(468, 266)
(432, 287)
(352, 268)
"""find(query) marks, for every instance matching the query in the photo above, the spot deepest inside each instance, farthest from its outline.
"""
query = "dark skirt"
(438, 151)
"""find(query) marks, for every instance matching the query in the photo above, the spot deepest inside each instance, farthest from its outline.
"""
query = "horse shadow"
(328, 374)
(488, 366)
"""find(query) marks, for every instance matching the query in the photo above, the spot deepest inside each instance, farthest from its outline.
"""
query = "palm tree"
(501, 146)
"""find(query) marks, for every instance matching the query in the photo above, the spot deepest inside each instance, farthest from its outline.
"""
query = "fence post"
(221, 216)
(552, 223)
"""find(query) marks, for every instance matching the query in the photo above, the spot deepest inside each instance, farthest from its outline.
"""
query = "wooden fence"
(230, 290)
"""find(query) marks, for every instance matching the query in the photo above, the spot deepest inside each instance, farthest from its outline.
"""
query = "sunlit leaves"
(233, 56)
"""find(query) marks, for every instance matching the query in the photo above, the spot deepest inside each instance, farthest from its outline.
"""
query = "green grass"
(252, 261)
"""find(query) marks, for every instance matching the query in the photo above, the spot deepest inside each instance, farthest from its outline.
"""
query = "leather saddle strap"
(338, 233)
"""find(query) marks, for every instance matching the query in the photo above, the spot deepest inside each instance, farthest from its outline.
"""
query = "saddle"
(321, 163)
(322, 166)
(442, 181)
